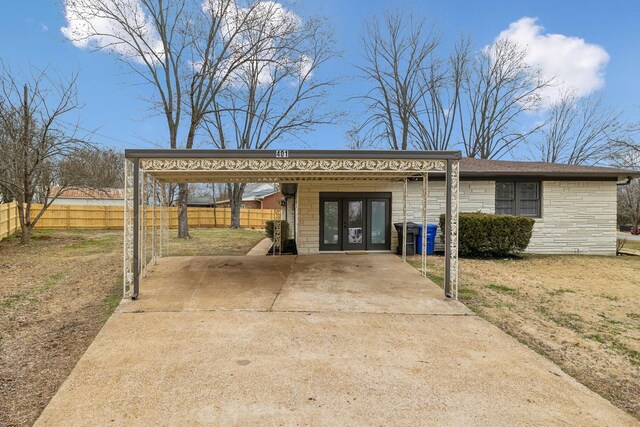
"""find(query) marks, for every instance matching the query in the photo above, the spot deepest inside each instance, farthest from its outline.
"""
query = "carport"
(149, 172)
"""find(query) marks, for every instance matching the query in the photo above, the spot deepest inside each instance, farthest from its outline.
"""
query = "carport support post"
(153, 220)
(451, 231)
(425, 195)
(404, 221)
(136, 228)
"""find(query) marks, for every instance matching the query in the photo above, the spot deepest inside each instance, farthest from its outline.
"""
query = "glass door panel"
(354, 236)
(331, 223)
(378, 224)
(331, 228)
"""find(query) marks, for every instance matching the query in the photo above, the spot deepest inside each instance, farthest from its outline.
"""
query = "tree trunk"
(183, 223)
(235, 199)
(24, 215)
(26, 234)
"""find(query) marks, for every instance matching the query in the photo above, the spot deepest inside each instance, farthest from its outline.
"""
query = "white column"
(451, 231)
(128, 229)
(143, 224)
(154, 253)
(404, 221)
(425, 196)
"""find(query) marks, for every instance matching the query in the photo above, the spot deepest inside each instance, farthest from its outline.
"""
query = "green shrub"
(284, 230)
(487, 235)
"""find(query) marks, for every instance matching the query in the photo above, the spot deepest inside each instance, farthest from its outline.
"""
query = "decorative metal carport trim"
(144, 168)
(293, 165)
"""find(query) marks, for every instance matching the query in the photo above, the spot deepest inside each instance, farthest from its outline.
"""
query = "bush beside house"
(488, 235)
(284, 230)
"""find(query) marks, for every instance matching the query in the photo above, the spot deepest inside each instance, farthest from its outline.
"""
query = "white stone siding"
(474, 196)
(577, 217)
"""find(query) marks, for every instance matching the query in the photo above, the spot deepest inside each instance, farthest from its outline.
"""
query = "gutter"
(626, 182)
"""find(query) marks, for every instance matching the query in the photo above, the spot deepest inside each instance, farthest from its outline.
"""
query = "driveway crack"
(283, 283)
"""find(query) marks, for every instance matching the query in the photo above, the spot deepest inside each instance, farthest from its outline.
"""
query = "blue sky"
(113, 102)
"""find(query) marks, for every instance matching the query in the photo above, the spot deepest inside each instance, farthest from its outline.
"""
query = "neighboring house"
(257, 196)
(200, 202)
(574, 207)
(89, 196)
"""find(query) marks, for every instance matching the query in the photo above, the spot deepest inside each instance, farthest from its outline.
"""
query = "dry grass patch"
(55, 295)
(215, 241)
(580, 311)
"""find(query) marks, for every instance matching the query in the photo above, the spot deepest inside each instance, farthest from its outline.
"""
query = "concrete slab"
(221, 341)
(274, 368)
(369, 283)
(211, 283)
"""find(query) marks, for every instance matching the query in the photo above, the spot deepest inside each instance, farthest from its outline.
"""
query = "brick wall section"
(577, 217)
(247, 204)
(474, 196)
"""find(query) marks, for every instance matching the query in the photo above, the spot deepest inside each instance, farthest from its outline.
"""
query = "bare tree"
(34, 140)
(355, 139)
(396, 51)
(435, 118)
(627, 155)
(185, 49)
(497, 88)
(275, 94)
(100, 168)
(629, 204)
(578, 131)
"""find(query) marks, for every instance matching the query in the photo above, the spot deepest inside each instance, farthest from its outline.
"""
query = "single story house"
(89, 196)
(348, 201)
(257, 196)
(574, 207)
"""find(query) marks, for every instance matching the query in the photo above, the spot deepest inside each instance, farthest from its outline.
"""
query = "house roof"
(258, 191)
(89, 193)
(200, 200)
(482, 168)
(255, 191)
(237, 166)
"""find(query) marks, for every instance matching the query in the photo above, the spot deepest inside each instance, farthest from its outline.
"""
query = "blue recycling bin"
(431, 238)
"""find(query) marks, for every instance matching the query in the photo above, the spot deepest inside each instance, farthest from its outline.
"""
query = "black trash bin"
(412, 232)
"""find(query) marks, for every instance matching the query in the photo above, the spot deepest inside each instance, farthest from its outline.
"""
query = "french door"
(355, 221)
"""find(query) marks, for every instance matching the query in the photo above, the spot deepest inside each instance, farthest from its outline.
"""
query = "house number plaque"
(282, 153)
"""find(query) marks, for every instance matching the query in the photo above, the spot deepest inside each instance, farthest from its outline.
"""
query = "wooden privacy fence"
(112, 217)
(9, 221)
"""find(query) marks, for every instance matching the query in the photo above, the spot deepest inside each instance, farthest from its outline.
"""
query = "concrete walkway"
(311, 340)
(261, 249)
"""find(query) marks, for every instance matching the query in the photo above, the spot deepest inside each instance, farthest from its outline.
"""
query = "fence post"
(16, 216)
(2, 208)
(68, 210)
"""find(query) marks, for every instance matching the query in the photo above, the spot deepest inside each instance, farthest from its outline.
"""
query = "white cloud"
(44, 27)
(89, 27)
(575, 65)
(273, 23)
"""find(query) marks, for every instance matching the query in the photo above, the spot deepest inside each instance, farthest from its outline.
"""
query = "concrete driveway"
(311, 340)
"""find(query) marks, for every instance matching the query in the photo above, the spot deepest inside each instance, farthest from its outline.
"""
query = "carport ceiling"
(185, 166)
